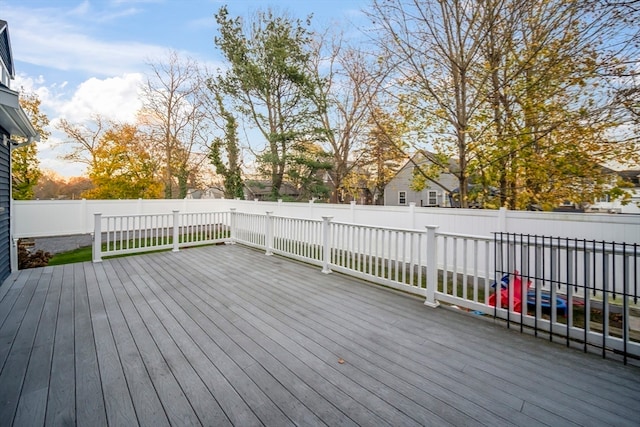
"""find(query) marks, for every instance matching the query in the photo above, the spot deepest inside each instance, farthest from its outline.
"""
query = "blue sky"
(89, 57)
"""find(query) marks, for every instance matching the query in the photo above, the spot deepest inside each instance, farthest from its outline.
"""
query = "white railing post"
(326, 249)
(432, 266)
(268, 238)
(97, 237)
(232, 232)
(176, 231)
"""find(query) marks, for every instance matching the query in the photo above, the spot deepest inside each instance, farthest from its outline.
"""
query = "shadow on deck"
(223, 335)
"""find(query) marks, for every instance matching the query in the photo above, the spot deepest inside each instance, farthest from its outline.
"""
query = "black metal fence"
(582, 291)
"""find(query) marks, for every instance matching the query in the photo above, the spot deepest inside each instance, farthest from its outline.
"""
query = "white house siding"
(616, 206)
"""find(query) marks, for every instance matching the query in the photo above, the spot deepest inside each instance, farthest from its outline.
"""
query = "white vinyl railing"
(456, 269)
(127, 234)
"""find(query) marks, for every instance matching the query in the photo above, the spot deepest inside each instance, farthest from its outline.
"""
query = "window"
(402, 197)
(433, 198)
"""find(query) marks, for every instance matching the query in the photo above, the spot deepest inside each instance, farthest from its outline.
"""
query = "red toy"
(504, 292)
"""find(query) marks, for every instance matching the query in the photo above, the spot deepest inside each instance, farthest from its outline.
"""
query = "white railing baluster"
(97, 237)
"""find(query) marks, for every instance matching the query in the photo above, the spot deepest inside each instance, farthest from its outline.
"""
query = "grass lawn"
(77, 255)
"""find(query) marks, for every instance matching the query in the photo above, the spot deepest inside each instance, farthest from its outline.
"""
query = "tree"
(172, 117)
(434, 46)
(124, 168)
(515, 90)
(229, 147)
(309, 164)
(53, 186)
(385, 151)
(348, 81)
(83, 139)
(549, 132)
(268, 82)
(25, 166)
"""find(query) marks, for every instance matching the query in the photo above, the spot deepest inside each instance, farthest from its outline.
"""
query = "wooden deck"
(224, 335)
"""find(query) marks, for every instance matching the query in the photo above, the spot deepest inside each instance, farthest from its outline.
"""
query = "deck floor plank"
(305, 367)
(274, 378)
(147, 405)
(174, 402)
(32, 406)
(203, 402)
(90, 402)
(61, 400)
(118, 401)
(240, 397)
(224, 335)
(16, 362)
(605, 401)
(174, 318)
(298, 335)
(388, 367)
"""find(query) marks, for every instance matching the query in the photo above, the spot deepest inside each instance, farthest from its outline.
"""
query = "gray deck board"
(33, 398)
(148, 409)
(174, 402)
(294, 397)
(91, 403)
(61, 399)
(224, 335)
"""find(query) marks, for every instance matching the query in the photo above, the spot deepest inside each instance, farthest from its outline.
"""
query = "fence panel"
(392, 257)
(580, 290)
(465, 269)
(127, 234)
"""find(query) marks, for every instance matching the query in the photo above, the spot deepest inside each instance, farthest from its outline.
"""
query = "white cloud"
(114, 98)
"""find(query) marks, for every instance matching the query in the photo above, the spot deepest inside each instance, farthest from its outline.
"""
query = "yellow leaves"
(123, 167)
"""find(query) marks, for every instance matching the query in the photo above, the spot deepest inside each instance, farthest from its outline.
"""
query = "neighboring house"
(13, 123)
(207, 193)
(605, 204)
(436, 193)
(261, 190)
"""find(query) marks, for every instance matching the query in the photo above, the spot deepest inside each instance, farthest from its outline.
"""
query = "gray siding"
(5, 205)
(402, 183)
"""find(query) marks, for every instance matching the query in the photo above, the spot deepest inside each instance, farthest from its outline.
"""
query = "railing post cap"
(327, 218)
(269, 212)
(431, 227)
(232, 209)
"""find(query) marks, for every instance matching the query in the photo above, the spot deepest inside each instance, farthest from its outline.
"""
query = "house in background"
(631, 180)
(13, 123)
(207, 193)
(437, 192)
(261, 190)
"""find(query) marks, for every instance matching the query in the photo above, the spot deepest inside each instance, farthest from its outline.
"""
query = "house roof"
(6, 57)
(13, 119)
(263, 188)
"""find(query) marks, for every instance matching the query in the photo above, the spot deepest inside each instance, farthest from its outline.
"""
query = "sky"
(89, 57)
